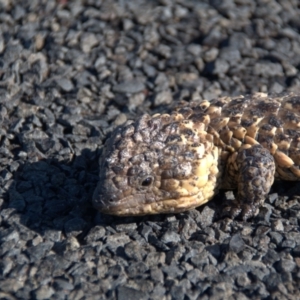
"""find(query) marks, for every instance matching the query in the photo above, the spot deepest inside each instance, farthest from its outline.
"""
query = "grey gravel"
(71, 71)
(133, 86)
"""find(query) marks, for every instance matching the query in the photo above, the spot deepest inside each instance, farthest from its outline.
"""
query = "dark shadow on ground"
(51, 194)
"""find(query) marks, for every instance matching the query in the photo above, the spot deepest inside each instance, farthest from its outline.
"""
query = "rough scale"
(168, 163)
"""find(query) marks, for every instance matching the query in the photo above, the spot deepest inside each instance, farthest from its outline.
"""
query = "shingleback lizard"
(169, 163)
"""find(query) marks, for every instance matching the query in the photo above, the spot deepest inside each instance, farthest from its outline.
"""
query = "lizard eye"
(147, 181)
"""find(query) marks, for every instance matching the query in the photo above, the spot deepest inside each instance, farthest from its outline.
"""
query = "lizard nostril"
(112, 198)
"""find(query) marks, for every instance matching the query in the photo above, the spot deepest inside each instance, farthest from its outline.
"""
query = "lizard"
(173, 162)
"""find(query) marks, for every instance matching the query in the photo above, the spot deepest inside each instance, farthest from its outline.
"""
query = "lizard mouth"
(113, 203)
(127, 206)
(137, 205)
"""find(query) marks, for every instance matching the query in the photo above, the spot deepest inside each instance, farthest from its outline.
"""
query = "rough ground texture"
(70, 71)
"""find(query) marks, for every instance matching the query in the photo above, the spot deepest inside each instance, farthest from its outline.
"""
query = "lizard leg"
(253, 169)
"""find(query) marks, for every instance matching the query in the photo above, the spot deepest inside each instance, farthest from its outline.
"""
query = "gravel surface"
(70, 71)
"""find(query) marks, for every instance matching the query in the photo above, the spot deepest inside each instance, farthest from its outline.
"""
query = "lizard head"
(159, 164)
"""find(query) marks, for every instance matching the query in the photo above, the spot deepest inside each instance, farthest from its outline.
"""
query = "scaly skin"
(170, 163)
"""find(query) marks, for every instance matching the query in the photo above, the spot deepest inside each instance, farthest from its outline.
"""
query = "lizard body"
(168, 163)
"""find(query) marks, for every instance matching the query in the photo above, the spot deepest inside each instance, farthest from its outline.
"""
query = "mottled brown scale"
(173, 162)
